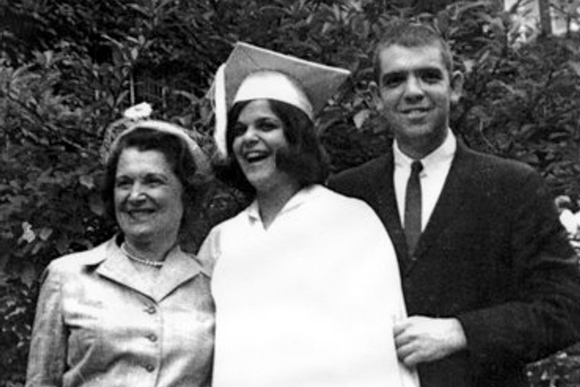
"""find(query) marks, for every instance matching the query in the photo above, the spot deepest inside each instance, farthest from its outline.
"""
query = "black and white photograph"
(290, 193)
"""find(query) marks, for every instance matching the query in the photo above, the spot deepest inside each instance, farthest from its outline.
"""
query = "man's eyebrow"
(429, 69)
(419, 70)
(394, 74)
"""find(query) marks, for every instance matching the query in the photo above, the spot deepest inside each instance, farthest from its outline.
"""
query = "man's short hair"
(411, 34)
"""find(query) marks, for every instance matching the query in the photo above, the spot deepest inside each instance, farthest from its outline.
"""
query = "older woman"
(305, 281)
(136, 310)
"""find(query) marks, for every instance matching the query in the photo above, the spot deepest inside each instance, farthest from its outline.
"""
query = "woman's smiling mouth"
(140, 213)
(255, 156)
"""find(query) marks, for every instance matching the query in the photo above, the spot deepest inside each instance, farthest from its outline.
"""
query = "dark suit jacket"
(493, 255)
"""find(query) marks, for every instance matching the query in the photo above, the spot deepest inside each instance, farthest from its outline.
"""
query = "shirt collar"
(442, 154)
(178, 268)
(294, 202)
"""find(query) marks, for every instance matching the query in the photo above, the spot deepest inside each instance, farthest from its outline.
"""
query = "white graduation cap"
(252, 72)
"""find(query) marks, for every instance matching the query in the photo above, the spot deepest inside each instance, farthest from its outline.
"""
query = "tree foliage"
(68, 68)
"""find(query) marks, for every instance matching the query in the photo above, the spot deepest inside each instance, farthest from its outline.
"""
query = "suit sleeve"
(352, 183)
(544, 316)
(47, 357)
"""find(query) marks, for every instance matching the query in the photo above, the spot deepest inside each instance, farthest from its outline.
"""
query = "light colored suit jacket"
(98, 323)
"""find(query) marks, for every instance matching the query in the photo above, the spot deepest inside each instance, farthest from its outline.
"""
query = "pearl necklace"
(156, 264)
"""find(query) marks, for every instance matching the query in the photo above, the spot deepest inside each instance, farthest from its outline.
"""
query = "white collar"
(295, 201)
(442, 154)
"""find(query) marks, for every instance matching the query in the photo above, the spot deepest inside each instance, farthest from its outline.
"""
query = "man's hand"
(422, 339)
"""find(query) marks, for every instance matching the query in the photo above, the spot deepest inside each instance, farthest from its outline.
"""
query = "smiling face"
(147, 197)
(416, 92)
(258, 137)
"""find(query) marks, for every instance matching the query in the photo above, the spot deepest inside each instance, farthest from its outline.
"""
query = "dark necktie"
(413, 207)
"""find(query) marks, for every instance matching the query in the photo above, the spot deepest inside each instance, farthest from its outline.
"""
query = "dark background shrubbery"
(68, 68)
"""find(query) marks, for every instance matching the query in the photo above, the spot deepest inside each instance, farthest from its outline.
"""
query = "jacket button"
(151, 310)
(152, 337)
(150, 367)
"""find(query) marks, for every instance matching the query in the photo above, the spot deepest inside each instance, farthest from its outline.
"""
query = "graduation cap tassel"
(220, 111)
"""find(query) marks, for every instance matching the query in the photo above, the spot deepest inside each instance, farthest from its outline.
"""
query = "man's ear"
(376, 96)
(456, 86)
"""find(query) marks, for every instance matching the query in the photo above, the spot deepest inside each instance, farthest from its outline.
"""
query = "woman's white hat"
(137, 117)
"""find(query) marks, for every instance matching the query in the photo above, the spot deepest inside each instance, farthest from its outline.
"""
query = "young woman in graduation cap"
(305, 280)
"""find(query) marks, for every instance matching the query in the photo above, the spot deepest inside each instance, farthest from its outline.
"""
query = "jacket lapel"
(118, 268)
(386, 205)
(177, 269)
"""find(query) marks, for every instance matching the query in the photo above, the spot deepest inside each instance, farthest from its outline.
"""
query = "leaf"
(360, 118)
(326, 27)
(134, 53)
(45, 233)
(96, 205)
(575, 66)
(142, 10)
(28, 234)
(527, 130)
(63, 244)
(37, 247)
(29, 274)
(48, 57)
(190, 96)
(87, 181)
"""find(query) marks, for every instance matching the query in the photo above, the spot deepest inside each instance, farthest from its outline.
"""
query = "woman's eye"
(238, 130)
(153, 181)
(267, 126)
(122, 183)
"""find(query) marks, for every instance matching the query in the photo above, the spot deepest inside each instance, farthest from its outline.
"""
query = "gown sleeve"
(381, 267)
(210, 251)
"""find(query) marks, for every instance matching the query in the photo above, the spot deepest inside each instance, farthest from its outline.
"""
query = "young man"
(489, 278)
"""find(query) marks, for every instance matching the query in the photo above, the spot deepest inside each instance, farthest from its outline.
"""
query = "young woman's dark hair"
(304, 160)
(178, 156)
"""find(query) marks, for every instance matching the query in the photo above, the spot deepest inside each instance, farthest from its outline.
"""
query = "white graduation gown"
(309, 302)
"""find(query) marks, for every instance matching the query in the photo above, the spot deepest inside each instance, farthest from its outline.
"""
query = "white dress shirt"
(436, 167)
